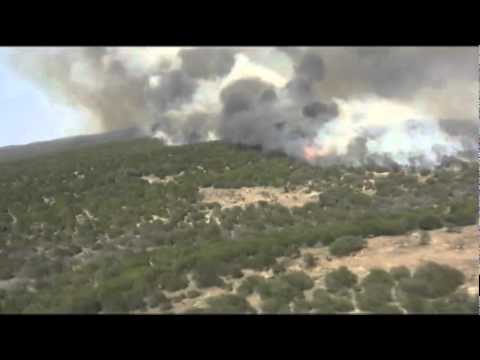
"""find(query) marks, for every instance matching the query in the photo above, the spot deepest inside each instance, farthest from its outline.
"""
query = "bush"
(173, 282)
(463, 214)
(347, 245)
(197, 311)
(415, 304)
(278, 268)
(299, 280)
(249, 285)
(458, 303)
(207, 277)
(278, 288)
(309, 260)
(6, 271)
(377, 291)
(430, 222)
(158, 298)
(339, 279)
(324, 303)
(134, 299)
(425, 239)
(236, 271)
(378, 277)
(400, 272)
(114, 304)
(275, 306)
(301, 306)
(433, 280)
(229, 304)
(192, 294)
(425, 172)
(374, 297)
(387, 309)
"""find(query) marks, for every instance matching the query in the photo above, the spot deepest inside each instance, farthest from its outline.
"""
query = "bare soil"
(242, 197)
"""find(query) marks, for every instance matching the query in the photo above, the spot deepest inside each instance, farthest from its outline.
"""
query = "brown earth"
(245, 196)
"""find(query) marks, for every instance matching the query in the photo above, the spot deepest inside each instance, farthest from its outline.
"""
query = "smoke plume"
(405, 105)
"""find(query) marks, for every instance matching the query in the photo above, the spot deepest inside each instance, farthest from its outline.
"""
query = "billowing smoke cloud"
(325, 105)
(207, 63)
(440, 80)
(317, 109)
(118, 91)
(309, 71)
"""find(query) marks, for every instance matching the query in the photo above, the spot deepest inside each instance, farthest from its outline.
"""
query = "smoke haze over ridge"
(325, 104)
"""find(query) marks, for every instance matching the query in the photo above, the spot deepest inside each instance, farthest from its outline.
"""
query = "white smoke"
(390, 102)
(390, 129)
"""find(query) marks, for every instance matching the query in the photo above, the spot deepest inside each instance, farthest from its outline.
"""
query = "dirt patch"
(390, 251)
(152, 179)
(456, 249)
(242, 197)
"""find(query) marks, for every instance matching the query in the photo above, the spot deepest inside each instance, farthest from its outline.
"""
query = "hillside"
(21, 152)
(135, 226)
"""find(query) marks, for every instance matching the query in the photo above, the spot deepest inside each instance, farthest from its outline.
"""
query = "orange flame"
(311, 152)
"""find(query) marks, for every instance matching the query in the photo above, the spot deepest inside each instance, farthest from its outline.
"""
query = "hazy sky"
(26, 113)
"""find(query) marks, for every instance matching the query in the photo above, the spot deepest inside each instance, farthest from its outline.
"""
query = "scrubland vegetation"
(83, 232)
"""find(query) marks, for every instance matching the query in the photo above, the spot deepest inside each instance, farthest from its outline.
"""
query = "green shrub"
(86, 303)
(377, 291)
(375, 296)
(425, 239)
(339, 279)
(301, 306)
(171, 281)
(324, 303)
(458, 303)
(430, 222)
(378, 277)
(229, 304)
(157, 298)
(309, 260)
(198, 311)
(464, 213)
(414, 304)
(425, 172)
(433, 280)
(390, 309)
(114, 304)
(236, 271)
(278, 268)
(400, 272)
(249, 285)
(192, 294)
(6, 271)
(299, 280)
(275, 306)
(278, 288)
(347, 245)
(207, 277)
(135, 299)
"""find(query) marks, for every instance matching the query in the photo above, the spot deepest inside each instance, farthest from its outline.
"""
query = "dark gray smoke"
(400, 73)
(317, 109)
(332, 105)
(254, 115)
(309, 71)
(245, 95)
(175, 88)
(207, 63)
